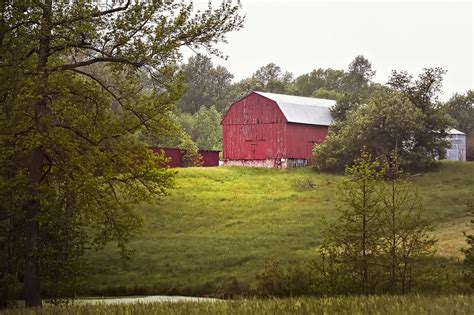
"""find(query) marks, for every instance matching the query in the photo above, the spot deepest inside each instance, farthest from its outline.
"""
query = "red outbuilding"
(209, 157)
(274, 130)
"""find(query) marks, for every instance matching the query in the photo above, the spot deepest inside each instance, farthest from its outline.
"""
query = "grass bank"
(220, 226)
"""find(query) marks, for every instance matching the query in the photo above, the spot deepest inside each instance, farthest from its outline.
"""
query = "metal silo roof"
(303, 110)
(453, 131)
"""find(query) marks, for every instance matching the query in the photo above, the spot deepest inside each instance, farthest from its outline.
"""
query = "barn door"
(253, 150)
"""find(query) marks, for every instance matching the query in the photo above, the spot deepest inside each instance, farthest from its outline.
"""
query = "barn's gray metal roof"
(303, 110)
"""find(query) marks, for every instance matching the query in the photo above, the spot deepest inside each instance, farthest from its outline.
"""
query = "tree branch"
(97, 60)
(94, 15)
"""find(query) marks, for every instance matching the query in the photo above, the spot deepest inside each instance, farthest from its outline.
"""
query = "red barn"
(274, 130)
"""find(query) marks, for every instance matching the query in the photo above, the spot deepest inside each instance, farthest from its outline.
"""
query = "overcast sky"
(300, 36)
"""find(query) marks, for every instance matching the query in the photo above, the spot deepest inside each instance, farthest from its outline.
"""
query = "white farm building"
(457, 150)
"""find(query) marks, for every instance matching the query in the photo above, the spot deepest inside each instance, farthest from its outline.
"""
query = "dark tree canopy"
(329, 79)
(388, 122)
(273, 79)
(461, 108)
(359, 74)
(405, 116)
(429, 142)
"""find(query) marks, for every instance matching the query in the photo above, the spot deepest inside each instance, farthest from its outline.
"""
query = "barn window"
(258, 121)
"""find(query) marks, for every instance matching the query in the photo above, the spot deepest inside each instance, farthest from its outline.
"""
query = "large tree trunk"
(32, 281)
(35, 168)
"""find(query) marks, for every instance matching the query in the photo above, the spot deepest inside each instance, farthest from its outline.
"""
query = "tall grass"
(416, 305)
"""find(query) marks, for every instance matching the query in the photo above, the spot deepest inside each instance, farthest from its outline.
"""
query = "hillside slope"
(221, 225)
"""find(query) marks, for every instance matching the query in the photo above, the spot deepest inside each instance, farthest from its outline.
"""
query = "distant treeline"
(421, 118)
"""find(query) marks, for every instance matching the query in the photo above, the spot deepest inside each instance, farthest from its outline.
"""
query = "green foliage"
(190, 152)
(408, 119)
(469, 253)
(429, 141)
(327, 94)
(351, 243)
(329, 79)
(346, 104)
(206, 85)
(276, 281)
(388, 122)
(80, 84)
(269, 78)
(359, 74)
(355, 81)
(352, 100)
(203, 127)
(461, 108)
(380, 234)
(406, 235)
(272, 79)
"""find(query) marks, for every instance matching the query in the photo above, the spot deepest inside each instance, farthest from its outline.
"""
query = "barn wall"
(301, 138)
(254, 129)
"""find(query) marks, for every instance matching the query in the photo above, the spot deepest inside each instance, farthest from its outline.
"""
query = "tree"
(189, 152)
(461, 108)
(329, 79)
(380, 235)
(203, 127)
(327, 94)
(469, 253)
(388, 122)
(405, 234)
(359, 75)
(244, 87)
(269, 78)
(430, 141)
(352, 241)
(272, 79)
(409, 118)
(206, 85)
(346, 104)
(352, 87)
(70, 139)
(208, 129)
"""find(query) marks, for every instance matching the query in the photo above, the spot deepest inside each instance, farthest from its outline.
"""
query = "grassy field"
(416, 305)
(220, 226)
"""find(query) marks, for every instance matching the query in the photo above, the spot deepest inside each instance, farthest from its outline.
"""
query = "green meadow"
(221, 226)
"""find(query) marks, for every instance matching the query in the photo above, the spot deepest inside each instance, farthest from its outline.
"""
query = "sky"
(300, 36)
